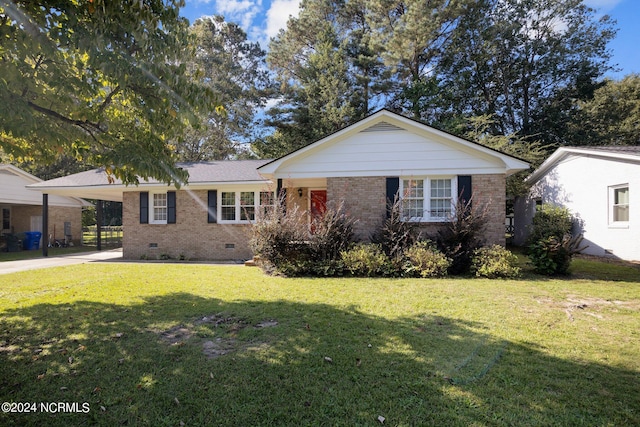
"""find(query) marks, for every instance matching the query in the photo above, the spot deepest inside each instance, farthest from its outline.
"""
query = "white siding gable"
(388, 144)
(387, 150)
(13, 191)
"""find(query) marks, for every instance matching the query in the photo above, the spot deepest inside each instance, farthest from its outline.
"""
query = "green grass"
(156, 344)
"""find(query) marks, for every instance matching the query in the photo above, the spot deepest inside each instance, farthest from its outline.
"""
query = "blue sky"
(261, 20)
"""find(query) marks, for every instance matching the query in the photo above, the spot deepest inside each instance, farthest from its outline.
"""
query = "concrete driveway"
(58, 261)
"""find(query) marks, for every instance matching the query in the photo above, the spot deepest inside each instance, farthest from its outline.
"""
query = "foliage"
(494, 262)
(282, 241)
(550, 221)
(105, 83)
(365, 260)
(611, 115)
(461, 235)
(394, 235)
(552, 255)
(332, 233)
(279, 238)
(425, 260)
(478, 129)
(235, 69)
(508, 58)
(317, 105)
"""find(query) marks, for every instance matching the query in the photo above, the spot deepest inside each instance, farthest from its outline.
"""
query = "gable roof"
(613, 153)
(95, 183)
(419, 144)
(14, 189)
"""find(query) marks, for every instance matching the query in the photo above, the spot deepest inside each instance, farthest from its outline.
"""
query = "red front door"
(318, 205)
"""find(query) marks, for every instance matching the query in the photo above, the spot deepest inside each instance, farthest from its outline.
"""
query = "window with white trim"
(6, 218)
(428, 199)
(158, 208)
(619, 204)
(241, 206)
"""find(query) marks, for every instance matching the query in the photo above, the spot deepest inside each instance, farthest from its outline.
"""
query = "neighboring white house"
(21, 208)
(601, 188)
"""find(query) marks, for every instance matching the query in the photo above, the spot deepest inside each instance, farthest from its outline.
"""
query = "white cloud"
(243, 12)
(278, 15)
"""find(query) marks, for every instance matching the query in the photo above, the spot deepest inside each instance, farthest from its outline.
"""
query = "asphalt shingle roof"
(199, 172)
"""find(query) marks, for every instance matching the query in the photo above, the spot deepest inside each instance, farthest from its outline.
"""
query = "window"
(6, 218)
(240, 206)
(159, 209)
(228, 206)
(247, 206)
(267, 202)
(619, 201)
(430, 199)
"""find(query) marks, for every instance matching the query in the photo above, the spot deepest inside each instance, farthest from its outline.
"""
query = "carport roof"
(94, 184)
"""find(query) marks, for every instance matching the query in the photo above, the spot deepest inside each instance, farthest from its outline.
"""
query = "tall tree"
(412, 35)
(507, 58)
(103, 82)
(315, 104)
(612, 115)
(235, 68)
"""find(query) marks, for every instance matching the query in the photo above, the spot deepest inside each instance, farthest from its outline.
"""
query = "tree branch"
(89, 127)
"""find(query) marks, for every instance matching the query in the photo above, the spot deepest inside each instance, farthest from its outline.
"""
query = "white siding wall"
(13, 191)
(389, 153)
(582, 185)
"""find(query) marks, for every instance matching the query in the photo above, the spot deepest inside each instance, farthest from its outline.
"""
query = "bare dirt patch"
(588, 306)
(219, 346)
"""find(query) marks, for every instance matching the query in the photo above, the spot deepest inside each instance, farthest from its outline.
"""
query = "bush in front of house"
(552, 256)
(365, 260)
(462, 235)
(278, 239)
(549, 221)
(283, 243)
(425, 260)
(332, 233)
(494, 262)
(395, 235)
(550, 245)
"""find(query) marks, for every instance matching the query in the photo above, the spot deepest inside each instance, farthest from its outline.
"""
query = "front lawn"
(155, 344)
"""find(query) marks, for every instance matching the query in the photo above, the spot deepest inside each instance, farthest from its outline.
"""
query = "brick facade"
(58, 215)
(364, 198)
(192, 237)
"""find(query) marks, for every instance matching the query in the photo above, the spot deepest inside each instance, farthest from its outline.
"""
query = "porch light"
(299, 192)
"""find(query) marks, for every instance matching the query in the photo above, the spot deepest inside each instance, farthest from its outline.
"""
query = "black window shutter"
(212, 206)
(464, 189)
(393, 185)
(144, 207)
(171, 207)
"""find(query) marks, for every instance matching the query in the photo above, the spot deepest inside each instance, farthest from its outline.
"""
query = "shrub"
(425, 260)
(549, 221)
(365, 260)
(552, 255)
(332, 234)
(280, 240)
(394, 235)
(284, 244)
(462, 235)
(493, 262)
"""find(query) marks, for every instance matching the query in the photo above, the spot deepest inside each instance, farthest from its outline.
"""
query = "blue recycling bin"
(32, 240)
